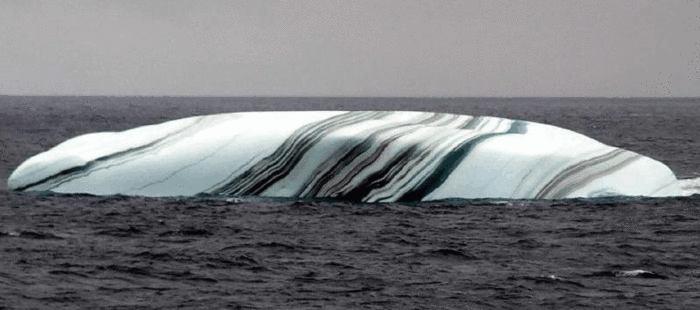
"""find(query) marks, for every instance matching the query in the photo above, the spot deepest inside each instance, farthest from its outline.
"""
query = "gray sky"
(351, 48)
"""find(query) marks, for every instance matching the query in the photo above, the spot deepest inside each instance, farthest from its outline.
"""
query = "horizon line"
(354, 97)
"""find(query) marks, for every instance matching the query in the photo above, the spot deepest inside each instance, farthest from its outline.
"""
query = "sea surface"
(79, 251)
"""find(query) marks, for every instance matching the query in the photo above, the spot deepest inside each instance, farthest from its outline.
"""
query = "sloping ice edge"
(689, 186)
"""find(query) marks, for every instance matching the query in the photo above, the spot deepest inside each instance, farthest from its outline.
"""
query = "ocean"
(135, 252)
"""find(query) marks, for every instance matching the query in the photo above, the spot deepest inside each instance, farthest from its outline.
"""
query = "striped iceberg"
(371, 156)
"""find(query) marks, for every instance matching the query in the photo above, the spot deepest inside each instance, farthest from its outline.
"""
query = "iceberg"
(367, 156)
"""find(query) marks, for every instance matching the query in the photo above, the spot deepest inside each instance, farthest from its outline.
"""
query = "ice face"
(367, 156)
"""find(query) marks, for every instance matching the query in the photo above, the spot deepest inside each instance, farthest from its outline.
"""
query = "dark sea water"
(76, 251)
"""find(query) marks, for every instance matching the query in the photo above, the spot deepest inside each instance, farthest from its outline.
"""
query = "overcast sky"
(351, 48)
